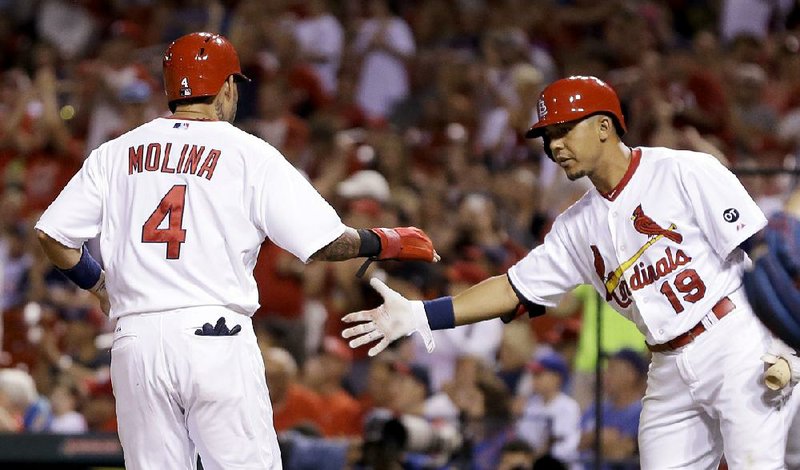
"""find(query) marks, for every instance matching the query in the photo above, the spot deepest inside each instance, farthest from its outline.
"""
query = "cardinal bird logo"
(647, 226)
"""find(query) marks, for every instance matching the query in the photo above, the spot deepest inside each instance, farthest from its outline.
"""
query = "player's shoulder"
(251, 146)
(579, 209)
(131, 134)
(679, 159)
(663, 159)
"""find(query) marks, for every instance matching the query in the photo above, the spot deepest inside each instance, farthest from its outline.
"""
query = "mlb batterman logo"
(541, 108)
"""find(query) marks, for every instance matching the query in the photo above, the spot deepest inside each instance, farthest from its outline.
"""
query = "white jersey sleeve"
(291, 212)
(545, 274)
(76, 214)
(723, 209)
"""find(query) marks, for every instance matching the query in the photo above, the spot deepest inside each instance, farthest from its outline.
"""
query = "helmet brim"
(534, 132)
(240, 77)
(537, 130)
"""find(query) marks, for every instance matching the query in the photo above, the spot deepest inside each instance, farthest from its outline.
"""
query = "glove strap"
(370, 243)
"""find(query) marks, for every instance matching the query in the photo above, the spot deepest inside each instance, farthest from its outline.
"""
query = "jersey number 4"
(688, 283)
(171, 206)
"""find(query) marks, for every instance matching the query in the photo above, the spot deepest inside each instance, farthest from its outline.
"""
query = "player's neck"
(613, 164)
(197, 111)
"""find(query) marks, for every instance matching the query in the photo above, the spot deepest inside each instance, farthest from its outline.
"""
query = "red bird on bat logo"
(647, 226)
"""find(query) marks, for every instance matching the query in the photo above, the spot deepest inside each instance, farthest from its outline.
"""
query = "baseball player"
(182, 205)
(659, 238)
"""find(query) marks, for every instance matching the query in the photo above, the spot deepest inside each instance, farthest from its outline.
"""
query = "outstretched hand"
(396, 317)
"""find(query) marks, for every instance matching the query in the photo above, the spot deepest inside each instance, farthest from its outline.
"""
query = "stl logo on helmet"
(542, 109)
(185, 89)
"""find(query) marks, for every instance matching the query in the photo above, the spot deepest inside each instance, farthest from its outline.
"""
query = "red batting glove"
(405, 243)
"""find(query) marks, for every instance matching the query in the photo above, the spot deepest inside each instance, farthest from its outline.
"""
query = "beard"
(576, 175)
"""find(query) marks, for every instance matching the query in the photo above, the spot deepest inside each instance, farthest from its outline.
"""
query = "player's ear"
(604, 127)
(229, 85)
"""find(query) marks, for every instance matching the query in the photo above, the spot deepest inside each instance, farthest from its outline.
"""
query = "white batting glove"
(780, 350)
(397, 317)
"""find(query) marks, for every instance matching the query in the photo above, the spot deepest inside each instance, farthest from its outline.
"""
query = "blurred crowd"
(401, 112)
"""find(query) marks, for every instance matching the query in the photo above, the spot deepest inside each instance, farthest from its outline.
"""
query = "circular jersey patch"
(730, 215)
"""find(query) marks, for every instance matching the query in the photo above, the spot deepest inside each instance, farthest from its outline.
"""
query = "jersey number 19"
(687, 282)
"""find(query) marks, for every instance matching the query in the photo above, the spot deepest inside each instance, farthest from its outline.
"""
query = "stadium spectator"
(66, 418)
(293, 405)
(383, 45)
(18, 397)
(325, 374)
(516, 455)
(624, 382)
(550, 421)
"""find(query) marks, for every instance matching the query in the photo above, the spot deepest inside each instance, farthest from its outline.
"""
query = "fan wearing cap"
(658, 237)
(551, 418)
(182, 206)
(623, 383)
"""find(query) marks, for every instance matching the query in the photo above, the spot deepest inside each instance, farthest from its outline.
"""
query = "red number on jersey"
(687, 282)
(171, 205)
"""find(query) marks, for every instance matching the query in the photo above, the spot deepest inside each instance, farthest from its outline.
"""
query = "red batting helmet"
(198, 64)
(573, 98)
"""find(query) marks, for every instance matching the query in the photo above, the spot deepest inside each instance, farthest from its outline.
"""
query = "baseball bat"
(778, 375)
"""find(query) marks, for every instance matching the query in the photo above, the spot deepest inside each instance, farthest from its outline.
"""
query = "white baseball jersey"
(182, 207)
(661, 247)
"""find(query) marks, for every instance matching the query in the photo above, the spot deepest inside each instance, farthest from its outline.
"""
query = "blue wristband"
(440, 313)
(86, 273)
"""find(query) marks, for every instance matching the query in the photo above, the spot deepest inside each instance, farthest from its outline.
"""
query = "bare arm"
(343, 248)
(61, 256)
(491, 298)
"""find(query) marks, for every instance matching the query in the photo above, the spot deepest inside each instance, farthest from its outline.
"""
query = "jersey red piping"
(636, 155)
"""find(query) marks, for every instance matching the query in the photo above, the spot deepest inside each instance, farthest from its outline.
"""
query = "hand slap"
(365, 333)
(395, 318)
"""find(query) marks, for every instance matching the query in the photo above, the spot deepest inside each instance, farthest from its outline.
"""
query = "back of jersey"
(182, 208)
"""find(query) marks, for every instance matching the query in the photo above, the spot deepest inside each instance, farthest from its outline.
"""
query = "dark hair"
(517, 445)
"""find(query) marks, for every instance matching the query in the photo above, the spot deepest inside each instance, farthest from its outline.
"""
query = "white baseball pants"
(708, 397)
(179, 394)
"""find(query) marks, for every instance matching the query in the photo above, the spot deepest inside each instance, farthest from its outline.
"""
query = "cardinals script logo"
(620, 290)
